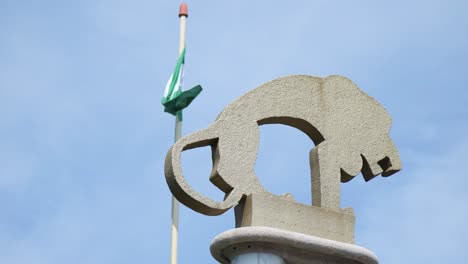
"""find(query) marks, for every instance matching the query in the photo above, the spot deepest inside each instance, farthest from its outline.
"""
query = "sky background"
(83, 135)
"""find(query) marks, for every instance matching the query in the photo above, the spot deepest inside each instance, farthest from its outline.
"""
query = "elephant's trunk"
(181, 189)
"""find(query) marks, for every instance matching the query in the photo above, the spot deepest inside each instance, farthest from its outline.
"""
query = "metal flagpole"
(183, 14)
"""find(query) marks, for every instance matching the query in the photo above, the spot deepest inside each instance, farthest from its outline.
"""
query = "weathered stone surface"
(280, 212)
(294, 248)
(349, 128)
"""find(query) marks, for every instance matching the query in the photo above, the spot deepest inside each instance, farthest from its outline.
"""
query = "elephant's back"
(279, 97)
(298, 96)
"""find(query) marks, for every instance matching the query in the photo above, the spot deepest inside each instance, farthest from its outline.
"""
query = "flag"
(175, 99)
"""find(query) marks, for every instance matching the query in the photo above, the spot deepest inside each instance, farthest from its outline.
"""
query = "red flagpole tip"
(183, 10)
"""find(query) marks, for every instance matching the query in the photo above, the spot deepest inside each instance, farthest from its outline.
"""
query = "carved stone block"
(283, 213)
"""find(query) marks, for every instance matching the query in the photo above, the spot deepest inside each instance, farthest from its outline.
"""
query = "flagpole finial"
(183, 10)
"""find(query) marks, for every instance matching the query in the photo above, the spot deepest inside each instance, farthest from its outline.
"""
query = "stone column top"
(294, 248)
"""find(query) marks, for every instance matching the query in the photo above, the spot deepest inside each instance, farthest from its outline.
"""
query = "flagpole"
(183, 14)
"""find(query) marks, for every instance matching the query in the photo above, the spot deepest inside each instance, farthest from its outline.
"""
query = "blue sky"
(83, 135)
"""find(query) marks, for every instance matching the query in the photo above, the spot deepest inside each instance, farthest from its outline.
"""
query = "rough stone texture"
(349, 128)
(294, 248)
(280, 212)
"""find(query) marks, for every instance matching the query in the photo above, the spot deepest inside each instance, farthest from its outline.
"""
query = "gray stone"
(292, 247)
(279, 212)
(349, 128)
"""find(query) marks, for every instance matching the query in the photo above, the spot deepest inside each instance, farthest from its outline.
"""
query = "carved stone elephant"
(350, 131)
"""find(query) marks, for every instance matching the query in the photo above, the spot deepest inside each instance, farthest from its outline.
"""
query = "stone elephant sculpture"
(350, 131)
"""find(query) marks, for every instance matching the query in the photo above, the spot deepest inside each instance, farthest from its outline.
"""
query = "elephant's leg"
(325, 178)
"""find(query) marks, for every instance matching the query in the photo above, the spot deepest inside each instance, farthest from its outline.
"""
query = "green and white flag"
(175, 99)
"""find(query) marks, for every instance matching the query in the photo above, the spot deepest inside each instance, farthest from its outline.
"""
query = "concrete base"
(284, 213)
(292, 247)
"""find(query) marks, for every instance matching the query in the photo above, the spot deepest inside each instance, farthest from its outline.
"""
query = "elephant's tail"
(180, 187)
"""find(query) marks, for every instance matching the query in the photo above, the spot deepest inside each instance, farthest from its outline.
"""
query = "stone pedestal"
(283, 212)
(292, 247)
